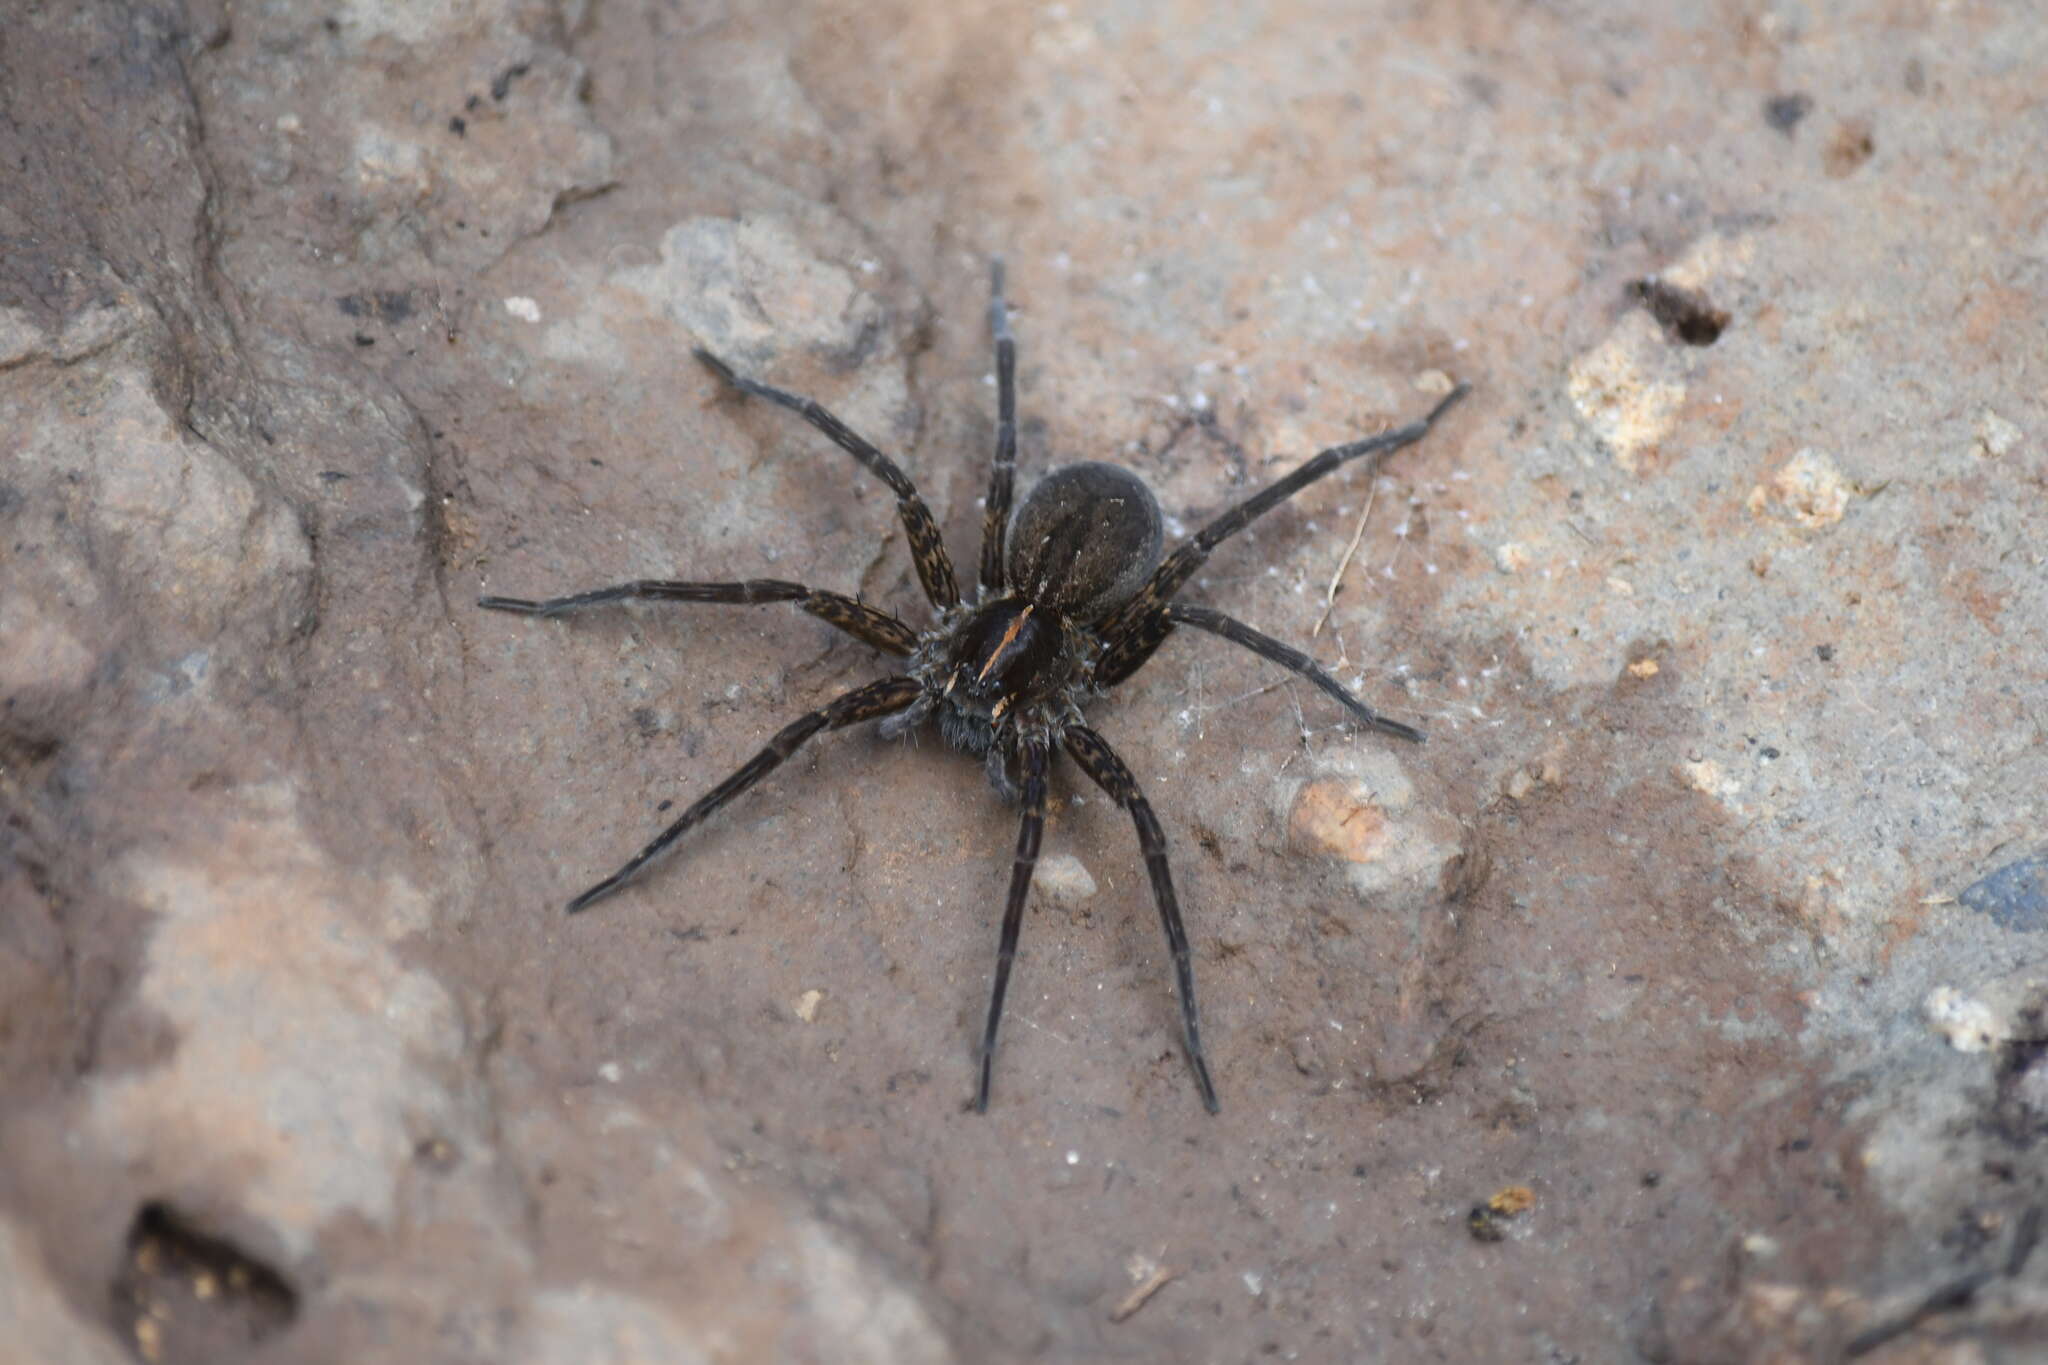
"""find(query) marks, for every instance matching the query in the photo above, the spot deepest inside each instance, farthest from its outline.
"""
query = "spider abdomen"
(1085, 541)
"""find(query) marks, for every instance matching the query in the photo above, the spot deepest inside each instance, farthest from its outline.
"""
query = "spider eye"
(1085, 540)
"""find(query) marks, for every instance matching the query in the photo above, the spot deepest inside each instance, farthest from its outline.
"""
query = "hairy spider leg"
(1100, 762)
(927, 549)
(1141, 624)
(1002, 478)
(1289, 658)
(1032, 749)
(871, 702)
(856, 618)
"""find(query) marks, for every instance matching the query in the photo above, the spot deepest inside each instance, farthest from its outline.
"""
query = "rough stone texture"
(1709, 920)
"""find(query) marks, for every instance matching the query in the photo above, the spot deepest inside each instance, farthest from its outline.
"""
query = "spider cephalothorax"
(1073, 598)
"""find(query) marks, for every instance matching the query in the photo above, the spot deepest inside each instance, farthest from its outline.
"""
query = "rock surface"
(1679, 1000)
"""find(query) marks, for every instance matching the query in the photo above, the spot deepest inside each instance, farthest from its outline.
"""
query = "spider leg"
(1034, 760)
(1132, 637)
(927, 548)
(1289, 658)
(1126, 653)
(1003, 477)
(856, 618)
(1100, 762)
(874, 700)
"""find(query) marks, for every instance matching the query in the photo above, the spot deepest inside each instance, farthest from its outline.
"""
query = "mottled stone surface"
(1680, 999)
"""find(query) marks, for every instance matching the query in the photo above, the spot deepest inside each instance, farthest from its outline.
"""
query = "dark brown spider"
(1076, 604)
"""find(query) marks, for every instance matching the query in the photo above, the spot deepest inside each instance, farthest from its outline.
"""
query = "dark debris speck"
(1686, 315)
(385, 305)
(502, 86)
(1784, 112)
(1485, 1225)
(2016, 895)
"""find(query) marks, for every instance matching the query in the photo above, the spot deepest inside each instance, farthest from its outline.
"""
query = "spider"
(1073, 597)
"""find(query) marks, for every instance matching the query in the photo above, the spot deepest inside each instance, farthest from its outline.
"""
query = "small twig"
(1141, 1291)
(1357, 534)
